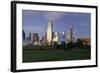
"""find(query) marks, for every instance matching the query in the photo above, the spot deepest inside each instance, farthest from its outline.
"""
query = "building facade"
(49, 33)
(36, 39)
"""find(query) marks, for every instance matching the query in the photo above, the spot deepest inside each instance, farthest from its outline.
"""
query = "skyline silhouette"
(36, 22)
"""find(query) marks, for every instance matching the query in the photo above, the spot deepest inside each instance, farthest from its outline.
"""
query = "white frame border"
(37, 65)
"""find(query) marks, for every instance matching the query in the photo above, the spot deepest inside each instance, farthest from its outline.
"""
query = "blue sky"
(36, 22)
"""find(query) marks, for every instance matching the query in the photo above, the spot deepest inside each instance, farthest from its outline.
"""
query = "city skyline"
(36, 22)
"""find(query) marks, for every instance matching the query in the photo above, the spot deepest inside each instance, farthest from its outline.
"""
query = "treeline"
(70, 45)
(78, 44)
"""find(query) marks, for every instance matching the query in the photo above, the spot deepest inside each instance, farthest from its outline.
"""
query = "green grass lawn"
(33, 55)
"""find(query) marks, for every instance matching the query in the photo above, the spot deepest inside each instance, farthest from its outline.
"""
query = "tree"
(55, 43)
(63, 44)
(70, 45)
(79, 43)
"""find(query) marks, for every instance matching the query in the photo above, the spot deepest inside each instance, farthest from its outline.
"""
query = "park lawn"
(33, 55)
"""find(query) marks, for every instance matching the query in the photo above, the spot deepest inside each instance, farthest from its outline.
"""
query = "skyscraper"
(55, 37)
(44, 39)
(23, 35)
(30, 36)
(71, 33)
(49, 33)
(35, 37)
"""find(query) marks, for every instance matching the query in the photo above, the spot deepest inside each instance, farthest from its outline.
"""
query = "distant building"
(67, 37)
(23, 35)
(71, 33)
(30, 37)
(49, 33)
(44, 39)
(55, 37)
(50, 37)
(86, 41)
(28, 40)
(59, 38)
(35, 39)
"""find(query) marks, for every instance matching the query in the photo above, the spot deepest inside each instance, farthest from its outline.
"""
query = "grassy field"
(33, 55)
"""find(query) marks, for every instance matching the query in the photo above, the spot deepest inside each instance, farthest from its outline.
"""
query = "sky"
(37, 21)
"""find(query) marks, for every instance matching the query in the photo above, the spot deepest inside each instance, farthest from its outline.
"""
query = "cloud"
(49, 15)
(29, 12)
(34, 29)
(53, 15)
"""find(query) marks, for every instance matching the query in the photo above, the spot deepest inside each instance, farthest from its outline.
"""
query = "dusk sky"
(37, 21)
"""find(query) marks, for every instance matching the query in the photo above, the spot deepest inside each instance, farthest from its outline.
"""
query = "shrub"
(70, 45)
(79, 44)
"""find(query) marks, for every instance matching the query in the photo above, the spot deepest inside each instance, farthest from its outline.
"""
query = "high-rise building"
(23, 35)
(61, 38)
(55, 37)
(30, 36)
(35, 38)
(86, 41)
(67, 37)
(49, 33)
(71, 33)
(44, 39)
